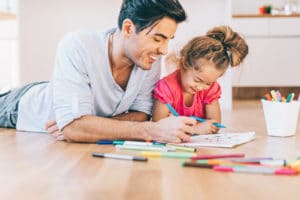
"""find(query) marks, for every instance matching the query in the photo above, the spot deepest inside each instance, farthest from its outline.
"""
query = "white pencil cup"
(281, 118)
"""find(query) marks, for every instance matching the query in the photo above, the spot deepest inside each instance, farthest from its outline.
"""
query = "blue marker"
(173, 111)
(203, 120)
(123, 142)
(114, 142)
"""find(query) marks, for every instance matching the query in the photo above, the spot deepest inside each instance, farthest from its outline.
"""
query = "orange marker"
(268, 97)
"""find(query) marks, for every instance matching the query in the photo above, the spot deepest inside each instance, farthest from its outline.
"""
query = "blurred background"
(30, 31)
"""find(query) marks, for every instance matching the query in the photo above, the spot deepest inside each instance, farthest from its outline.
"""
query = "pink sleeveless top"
(169, 90)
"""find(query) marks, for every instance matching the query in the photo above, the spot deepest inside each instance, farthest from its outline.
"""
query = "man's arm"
(92, 128)
(132, 116)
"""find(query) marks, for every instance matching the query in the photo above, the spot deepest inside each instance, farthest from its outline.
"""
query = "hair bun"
(233, 43)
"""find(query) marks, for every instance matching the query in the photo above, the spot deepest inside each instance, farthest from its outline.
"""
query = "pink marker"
(202, 157)
(255, 170)
(285, 172)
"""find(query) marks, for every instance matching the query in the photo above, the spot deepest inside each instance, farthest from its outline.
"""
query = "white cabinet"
(274, 46)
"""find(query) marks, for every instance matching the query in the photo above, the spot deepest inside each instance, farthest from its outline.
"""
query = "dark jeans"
(9, 103)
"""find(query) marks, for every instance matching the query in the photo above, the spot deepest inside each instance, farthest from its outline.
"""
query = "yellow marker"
(295, 164)
(182, 148)
(273, 94)
(168, 154)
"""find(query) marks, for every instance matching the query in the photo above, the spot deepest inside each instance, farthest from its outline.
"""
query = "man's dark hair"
(143, 13)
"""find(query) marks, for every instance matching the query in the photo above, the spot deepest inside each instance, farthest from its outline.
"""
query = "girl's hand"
(206, 127)
(173, 129)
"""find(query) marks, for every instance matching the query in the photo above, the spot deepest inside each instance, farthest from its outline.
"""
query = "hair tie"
(228, 53)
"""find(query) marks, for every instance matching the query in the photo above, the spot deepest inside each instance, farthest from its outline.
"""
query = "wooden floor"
(35, 166)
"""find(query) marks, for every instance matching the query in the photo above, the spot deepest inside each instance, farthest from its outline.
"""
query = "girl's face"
(193, 80)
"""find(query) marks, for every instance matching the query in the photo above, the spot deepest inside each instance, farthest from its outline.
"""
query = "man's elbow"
(70, 133)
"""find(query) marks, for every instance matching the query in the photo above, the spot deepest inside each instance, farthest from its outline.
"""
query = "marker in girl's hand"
(173, 111)
(203, 120)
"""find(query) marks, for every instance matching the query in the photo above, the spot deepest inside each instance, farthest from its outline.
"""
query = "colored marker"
(203, 120)
(215, 162)
(255, 169)
(278, 95)
(273, 163)
(294, 164)
(290, 97)
(194, 164)
(168, 154)
(119, 156)
(273, 94)
(173, 111)
(114, 142)
(268, 97)
(182, 148)
(122, 142)
(145, 148)
(251, 160)
(201, 157)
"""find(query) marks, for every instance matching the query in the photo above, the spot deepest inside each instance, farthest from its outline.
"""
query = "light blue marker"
(173, 111)
(203, 120)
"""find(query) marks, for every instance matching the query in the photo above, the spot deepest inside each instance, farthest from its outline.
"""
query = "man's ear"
(128, 27)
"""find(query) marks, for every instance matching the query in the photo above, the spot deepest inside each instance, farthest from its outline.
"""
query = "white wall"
(8, 50)
(44, 22)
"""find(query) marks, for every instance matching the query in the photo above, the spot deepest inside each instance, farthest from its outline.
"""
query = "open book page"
(228, 140)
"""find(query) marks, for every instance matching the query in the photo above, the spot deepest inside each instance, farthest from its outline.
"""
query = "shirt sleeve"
(212, 94)
(72, 97)
(144, 100)
(162, 92)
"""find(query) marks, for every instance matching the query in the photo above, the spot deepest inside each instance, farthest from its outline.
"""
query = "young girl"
(192, 89)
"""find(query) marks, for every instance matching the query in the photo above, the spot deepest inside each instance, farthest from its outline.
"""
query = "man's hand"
(173, 129)
(52, 128)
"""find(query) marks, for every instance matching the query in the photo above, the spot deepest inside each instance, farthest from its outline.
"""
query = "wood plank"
(35, 166)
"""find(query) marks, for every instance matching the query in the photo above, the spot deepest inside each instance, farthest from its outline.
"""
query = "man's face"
(145, 47)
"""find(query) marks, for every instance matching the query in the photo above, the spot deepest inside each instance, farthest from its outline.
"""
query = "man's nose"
(163, 49)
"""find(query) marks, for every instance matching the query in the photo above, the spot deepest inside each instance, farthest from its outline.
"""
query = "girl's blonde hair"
(221, 46)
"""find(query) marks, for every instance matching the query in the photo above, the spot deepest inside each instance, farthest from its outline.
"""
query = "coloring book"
(227, 140)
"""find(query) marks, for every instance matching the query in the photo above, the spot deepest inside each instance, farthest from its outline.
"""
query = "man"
(103, 81)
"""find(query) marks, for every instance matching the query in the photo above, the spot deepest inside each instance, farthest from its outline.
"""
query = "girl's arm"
(160, 111)
(213, 114)
(213, 111)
